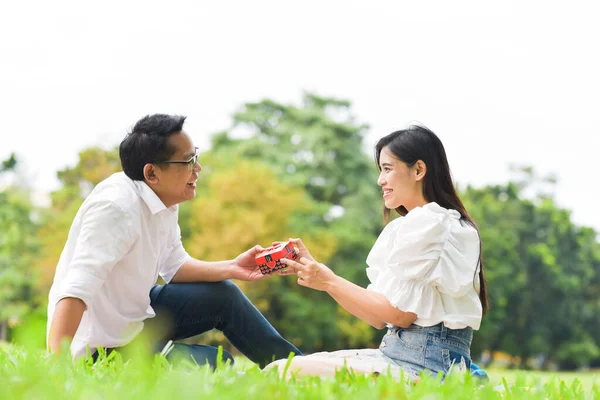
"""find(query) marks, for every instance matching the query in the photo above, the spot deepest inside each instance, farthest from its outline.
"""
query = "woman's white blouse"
(428, 263)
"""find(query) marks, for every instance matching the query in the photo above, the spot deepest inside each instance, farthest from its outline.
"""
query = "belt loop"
(443, 331)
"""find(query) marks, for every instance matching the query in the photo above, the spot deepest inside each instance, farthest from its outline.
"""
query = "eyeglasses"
(191, 163)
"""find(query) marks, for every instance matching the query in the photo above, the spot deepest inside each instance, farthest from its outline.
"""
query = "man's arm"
(65, 321)
(203, 271)
(243, 267)
(104, 237)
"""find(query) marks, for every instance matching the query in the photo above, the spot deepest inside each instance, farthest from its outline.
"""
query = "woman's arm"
(373, 308)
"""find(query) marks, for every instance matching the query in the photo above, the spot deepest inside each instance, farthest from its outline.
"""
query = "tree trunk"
(524, 358)
(495, 346)
(3, 331)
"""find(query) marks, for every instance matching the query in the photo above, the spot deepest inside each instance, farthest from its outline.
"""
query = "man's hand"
(244, 266)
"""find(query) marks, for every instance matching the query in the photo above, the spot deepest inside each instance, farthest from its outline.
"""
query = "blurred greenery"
(300, 171)
(18, 247)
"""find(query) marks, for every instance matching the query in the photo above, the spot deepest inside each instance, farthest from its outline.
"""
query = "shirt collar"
(153, 202)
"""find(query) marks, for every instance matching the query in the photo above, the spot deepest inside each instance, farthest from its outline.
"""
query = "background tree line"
(301, 172)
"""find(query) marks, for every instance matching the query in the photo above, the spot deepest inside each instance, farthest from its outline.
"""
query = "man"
(125, 235)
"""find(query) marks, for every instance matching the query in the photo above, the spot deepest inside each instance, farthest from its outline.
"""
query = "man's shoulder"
(118, 189)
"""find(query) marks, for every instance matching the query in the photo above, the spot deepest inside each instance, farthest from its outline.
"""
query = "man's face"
(176, 182)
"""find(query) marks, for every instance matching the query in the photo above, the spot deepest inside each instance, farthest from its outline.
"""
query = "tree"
(18, 246)
(244, 205)
(539, 269)
(9, 164)
(317, 147)
(94, 165)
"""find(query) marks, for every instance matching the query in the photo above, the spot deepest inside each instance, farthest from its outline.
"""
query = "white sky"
(500, 83)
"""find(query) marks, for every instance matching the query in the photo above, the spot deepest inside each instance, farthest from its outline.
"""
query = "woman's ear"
(150, 174)
(420, 170)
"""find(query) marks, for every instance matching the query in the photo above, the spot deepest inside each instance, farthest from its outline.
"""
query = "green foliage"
(10, 164)
(245, 204)
(18, 245)
(94, 165)
(318, 148)
(542, 272)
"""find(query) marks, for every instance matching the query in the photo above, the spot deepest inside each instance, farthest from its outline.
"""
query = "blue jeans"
(432, 349)
(184, 310)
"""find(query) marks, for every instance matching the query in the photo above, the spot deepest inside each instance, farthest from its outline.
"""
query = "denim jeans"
(432, 349)
(184, 310)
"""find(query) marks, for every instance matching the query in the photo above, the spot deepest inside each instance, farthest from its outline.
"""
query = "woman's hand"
(311, 273)
(302, 252)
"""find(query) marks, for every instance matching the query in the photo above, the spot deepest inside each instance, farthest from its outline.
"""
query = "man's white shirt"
(122, 238)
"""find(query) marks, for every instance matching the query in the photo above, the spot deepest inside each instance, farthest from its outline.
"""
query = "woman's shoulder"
(428, 212)
(431, 223)
(429, 219)
(433, 211)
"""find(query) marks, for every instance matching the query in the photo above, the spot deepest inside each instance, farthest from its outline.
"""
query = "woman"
(426, 270)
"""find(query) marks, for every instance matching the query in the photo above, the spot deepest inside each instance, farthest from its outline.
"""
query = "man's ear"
(151, 173)
(420, 170)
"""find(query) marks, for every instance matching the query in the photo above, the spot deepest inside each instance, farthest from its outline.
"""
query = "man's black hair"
(147, 143)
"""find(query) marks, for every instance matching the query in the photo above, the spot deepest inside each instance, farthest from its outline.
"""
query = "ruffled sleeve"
(421, 258)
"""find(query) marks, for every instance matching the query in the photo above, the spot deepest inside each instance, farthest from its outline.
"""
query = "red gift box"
(269, 260)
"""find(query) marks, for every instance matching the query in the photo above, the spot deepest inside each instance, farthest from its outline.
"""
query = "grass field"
(33, 375)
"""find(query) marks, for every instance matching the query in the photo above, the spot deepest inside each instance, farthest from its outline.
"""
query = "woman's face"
(402, 185)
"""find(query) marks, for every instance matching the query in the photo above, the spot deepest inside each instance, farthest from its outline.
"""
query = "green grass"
(587, 379)
(34, 375)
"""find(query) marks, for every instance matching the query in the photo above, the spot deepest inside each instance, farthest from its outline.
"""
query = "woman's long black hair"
(419, 143)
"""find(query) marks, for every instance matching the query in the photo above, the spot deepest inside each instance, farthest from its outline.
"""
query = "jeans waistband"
(461, 337)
